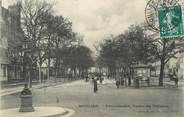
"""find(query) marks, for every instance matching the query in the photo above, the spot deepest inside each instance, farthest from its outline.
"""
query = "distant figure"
(122, 81)
(175, 78)
(171, 76)
(95, 85)
(117, 83)
(101, 79)
(86, 77)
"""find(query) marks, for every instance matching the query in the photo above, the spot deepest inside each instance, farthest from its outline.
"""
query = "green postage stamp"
(170, 21)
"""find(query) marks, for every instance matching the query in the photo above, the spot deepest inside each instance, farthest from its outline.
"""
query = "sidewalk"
(39, 112)
(8, 91)
(5, 85)
(19, 88)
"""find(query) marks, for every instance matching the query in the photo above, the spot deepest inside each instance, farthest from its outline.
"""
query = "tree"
(33, 23)
(58, 34)
(78, 58)
(131, 47)
(165, 50)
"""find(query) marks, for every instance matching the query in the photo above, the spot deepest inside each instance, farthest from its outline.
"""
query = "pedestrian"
(101, 79)
(87, 77)
(117, 83)
(95, 85)
(122, 81)
(175, 79)
(171, 76)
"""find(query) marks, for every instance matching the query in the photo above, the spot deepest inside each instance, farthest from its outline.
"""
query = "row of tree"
(136, 45)
(49, 39)
(52, 38)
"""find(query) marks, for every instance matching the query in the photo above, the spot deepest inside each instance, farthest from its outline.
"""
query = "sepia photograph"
(91, 58)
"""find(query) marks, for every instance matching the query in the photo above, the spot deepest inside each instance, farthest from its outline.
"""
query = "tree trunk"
(39, 73)
(48, 67)
(39, 67)
(75, 73)
(129, 77)
(56, 67)
(78, 73)
(48, 70)
(161, 73)
(162, 64)
(57, 60)
(129, 81)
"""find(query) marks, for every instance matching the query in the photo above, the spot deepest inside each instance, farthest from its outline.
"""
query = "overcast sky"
(97, 19)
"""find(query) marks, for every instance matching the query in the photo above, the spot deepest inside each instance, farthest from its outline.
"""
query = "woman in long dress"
(95, 85)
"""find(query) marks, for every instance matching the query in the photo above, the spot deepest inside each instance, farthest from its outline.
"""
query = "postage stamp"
(170, 21)
(164, 17)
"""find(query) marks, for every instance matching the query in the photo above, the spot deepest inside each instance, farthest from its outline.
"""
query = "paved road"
(108, 101)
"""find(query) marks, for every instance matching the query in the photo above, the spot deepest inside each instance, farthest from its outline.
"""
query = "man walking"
(175, 78)
(95, 85)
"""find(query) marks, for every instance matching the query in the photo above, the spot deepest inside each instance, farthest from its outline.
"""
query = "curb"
(39, 112)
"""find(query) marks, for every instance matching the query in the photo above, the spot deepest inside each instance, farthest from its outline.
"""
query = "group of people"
(121, 82)
(173, 76)
(95, 79)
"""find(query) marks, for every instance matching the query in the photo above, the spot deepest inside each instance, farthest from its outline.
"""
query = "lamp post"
(26, 95)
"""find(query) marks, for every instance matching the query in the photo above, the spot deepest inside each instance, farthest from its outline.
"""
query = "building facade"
(178, 64)
(10, 41)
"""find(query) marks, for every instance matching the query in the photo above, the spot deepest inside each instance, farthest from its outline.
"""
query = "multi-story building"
(10, 41)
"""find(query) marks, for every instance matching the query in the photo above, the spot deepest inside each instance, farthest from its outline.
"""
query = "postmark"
(151, 12)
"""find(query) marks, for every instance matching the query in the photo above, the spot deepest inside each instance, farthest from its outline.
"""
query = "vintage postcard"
(91, 58)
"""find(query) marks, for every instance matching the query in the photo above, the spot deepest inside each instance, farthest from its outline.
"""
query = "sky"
(98, 19)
